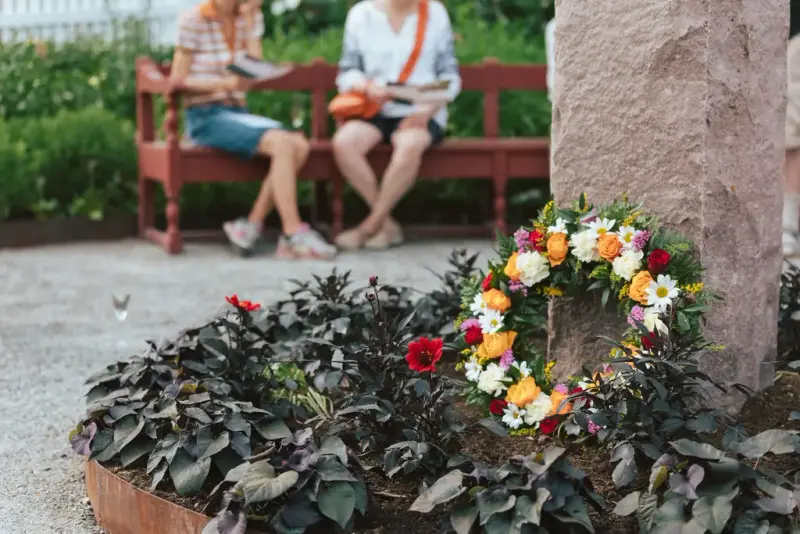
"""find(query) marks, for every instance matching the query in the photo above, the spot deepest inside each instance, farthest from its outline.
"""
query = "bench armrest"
(152, 80)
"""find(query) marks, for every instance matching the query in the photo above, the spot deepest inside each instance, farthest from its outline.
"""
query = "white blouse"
(372, 50)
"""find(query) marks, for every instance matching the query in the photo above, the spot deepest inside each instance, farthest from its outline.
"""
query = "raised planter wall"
(32, 233)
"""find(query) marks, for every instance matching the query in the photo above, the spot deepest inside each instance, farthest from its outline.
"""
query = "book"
(429, 93)
(251, 67)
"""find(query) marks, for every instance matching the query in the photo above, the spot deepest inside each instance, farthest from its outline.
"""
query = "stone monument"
(680, 104)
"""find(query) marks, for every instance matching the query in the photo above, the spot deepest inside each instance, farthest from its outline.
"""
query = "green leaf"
(135, 450)
(333, 445)
(188, 474)
(331, 470)
(648, 504)
(260, 484)
(627, 505)
(494, 501)
(337, 502)
(773, 441)
(126, 431)
(443, 490)
(463, 518)
(713, 513)
(604, 299)
(273, 429)
(528, 512)
(199, 414)
(218, 444)
(538, 464)
(362, 497)
(658, 476)
(683, 322)
(704, 451)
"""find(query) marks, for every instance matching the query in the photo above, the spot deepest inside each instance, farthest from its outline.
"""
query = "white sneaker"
(305, 243)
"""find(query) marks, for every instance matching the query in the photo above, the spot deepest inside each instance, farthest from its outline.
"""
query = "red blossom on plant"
(649, 341)
(487, 282)
(474, 336)
(497, 406)
(657, 261)
(548, 425)
(424, 353)
(245, 305)
(538, 241)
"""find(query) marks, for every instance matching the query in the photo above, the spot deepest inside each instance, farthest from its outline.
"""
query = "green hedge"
(66, 119)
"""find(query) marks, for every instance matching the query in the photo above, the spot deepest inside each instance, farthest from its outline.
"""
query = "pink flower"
(593, 427)
(506, 359)
(640, 239)
(518, 286)
(636, 316)
(470, 323)
(522, 238)
(561, 388)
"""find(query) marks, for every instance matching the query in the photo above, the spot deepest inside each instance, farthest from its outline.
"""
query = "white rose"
(491, 380)
(627, 264)
(652, 320)
(538, 409)
(533, 268)
(473, 369)
(584, 246)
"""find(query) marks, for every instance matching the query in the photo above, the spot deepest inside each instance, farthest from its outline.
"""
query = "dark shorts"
(388, 125)
(228, 128)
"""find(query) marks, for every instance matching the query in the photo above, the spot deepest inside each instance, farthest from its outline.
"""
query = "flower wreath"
(616, 250)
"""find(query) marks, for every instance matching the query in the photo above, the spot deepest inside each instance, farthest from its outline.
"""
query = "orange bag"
(355, 104)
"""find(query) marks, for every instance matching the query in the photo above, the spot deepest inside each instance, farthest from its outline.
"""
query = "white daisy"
(478, 305)
(491, 321)
(538, 409)
(626, 235)
(473, 369)
(560, 227)
(523, 368)
(661, 292)
(601, 226)
(513, 416)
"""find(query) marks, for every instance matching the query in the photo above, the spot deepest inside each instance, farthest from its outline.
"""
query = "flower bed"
(337, 411)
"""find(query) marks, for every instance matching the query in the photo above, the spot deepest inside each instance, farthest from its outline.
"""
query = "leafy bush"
(536, 494)
(19, 174)
(696, 488)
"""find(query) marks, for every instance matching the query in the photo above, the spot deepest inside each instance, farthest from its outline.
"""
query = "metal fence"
(65, 20)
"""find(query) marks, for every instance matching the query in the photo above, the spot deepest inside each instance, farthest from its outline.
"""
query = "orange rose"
(511, 270)
(609, 246)
(494, 345)
(557, 248)
(523, 392)
(496, 300)
(560, 405)
(639, 286)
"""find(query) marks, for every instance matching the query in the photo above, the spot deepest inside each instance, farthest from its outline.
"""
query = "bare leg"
(409, 145)
(285, 152)
(301, 155)
(351, 143)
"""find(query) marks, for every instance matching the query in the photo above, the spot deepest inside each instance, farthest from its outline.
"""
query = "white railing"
(64, 20)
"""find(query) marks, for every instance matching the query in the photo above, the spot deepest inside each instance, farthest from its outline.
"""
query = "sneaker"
(305, 243)
(242, 232)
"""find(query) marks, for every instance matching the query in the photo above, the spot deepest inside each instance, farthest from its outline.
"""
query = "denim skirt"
(228, 128)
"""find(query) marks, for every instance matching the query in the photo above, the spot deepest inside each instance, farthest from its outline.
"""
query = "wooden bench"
(175, 164)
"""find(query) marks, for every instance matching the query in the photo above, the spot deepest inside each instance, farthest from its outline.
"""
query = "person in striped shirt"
(210, 36)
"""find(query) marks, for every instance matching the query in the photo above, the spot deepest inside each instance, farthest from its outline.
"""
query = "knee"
(277, 143)
(347, 145)
(410, 148)
(301, 146)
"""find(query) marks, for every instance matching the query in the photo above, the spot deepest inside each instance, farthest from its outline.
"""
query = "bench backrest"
(489, 77)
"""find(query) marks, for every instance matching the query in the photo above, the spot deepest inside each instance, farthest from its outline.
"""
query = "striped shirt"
(205, 39)
(372, 50)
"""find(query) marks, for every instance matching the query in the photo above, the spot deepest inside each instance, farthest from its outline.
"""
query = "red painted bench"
(174, 164)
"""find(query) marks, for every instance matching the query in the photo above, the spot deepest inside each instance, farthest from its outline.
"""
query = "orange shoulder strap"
(419, 40)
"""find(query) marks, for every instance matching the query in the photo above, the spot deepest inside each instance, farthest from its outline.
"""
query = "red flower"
(474, 336)
(497, 406)
(487, 282)
(537, 238)
(576, 389)
(548, 425)
(657, 261)
(424, 353)
(649, 341)
(244, 305)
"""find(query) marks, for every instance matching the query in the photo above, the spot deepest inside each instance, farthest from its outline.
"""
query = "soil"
(392, 498)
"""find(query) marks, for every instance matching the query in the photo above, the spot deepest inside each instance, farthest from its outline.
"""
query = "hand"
(234, 82)
(417, 120)
(376, 93)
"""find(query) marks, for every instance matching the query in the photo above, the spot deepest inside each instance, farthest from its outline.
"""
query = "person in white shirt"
(379, 38)
(550, 48)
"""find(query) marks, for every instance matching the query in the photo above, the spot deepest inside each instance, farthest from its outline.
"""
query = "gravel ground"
(57, 327)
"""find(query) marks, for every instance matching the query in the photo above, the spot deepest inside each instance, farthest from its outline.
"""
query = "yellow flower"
(459, 366)
(520, 432)
(523, 392)
(624, 291)
(551, 291)
(557, 248)
(94, 81)
(467, 352)
(496, 300)
(494, 345)
(548, 371)
(548, 210)
(560, 406)
(693, 288)
(630, 219)
(639, 286)
(511, 270)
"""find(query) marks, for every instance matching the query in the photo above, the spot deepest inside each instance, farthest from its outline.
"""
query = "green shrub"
(17, 174)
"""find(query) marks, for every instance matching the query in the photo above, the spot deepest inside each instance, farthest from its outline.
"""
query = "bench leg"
(500, 180)
(337, 203)
(147, 204)
(173, 241)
